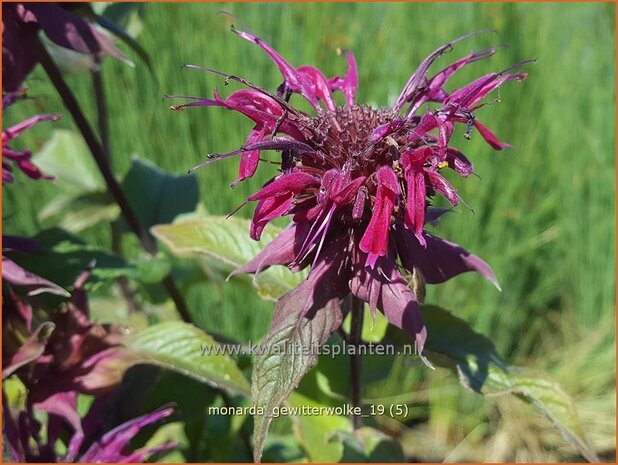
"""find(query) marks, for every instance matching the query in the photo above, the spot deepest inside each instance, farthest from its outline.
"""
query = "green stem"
(102, 119)
(103, 126)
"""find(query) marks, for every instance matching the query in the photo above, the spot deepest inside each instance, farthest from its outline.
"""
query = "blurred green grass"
(543, 210)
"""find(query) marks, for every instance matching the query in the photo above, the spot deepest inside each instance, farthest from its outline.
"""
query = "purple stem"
(356, 307)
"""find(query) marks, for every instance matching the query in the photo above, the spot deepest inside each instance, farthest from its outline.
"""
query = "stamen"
(279, 122)
(327, 220)
(280, 144)
(481, 105)
(309, 242)
(239, 21)
(277, 144)
(469, 124)
(233, 212)
(213, 157)
(271, 162)
(472, 34)
(247, 83)
(517, 66)
(167, 97)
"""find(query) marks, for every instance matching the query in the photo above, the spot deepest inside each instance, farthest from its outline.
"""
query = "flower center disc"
(343, 134)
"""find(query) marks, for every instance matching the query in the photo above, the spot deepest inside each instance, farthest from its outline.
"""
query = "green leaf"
(375, 325)
(68, 61)
(227, 245)
(315, 433)
(82, 211)
(283, 448)
(329, 438)
(112, 308)
(452, 343)
(15, 392)
(61, 257)
(288, 351)
(30, 350)
(152, 269)
(369, 445)
(127, 15)
(184, 348)
(158, 197)
(66, 157)
(145, 388)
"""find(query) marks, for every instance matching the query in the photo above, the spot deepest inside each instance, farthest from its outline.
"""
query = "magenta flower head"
(25, 444)
(358, 181)
(21, 23)
(61, 358)
(21, 158)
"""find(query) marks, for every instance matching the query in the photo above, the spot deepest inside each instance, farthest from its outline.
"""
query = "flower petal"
(347, 192)
(141, 455)
(441, 185)
(104, 370)
(320, 85)
(276, 198)
(261, 108)
(467, 96)
(295, 81)
(267, 210)
(412, 163)
(18, 276)
(28, 352)
(491, 86)
(64, 405)
(375, 240)
(16, 130)
(415, 207)
(250, 159)
(252, 99)
(349, 83)
(294, 182)
(338, 186)
(111, 447)
(359, 204)
(418, 80)
(458, 162)
(460, 99)
(19, 41)
(386, 129)
(434, 91)
(490, 137)
(71, 31)
(281, 143)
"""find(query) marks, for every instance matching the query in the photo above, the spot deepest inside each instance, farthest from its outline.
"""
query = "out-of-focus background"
(543, 212)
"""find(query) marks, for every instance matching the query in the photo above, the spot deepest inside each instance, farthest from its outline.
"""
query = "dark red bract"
(55, 362)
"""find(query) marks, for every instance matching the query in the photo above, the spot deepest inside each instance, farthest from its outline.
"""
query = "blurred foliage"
(543, 215)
